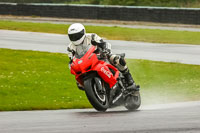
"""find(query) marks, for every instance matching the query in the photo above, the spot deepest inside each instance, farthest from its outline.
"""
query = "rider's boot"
(130, 81)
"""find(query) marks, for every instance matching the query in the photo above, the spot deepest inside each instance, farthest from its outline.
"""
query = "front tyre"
(96, 93)
(133, 101)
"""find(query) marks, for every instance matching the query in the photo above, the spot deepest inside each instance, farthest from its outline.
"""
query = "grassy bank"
(37, 80)
(166, 82)
(113, 33)
(32, 80)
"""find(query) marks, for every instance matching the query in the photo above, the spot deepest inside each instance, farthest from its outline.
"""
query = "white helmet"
(76, 33)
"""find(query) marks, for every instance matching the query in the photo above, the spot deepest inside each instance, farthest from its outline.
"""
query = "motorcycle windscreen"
(81, 50)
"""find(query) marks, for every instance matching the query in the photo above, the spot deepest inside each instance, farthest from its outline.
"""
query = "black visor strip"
(76, 36)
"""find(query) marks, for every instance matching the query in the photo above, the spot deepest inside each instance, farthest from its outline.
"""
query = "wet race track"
(179, 117)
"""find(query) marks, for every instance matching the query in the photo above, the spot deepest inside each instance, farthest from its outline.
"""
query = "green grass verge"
(31, 80)
(115, 33)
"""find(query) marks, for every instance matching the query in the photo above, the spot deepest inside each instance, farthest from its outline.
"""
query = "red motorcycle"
(103, 84)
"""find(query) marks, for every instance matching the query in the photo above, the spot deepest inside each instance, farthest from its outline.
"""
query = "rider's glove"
(100, 44)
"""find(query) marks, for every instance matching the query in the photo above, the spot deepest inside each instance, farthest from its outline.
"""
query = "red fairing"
(90, 62)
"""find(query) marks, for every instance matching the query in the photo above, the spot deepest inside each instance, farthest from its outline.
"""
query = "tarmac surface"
(187, 54)
(166, 118)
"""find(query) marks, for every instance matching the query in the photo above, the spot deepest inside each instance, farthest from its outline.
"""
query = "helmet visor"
(76, 36)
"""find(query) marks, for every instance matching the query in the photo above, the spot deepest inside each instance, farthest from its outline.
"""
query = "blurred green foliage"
(169, 3)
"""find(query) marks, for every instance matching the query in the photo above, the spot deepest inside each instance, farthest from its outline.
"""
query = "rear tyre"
(133, 101)
(94, 94)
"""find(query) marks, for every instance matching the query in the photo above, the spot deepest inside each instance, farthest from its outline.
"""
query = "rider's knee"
(114, 59)
(118, 61)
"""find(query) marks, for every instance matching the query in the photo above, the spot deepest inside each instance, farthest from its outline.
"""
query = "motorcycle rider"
(79, 44)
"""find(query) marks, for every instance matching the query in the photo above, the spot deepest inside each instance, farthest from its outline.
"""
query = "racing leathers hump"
(89, 40)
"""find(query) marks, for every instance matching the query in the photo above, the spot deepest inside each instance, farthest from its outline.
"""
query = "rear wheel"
(133, 101)
(96, 93)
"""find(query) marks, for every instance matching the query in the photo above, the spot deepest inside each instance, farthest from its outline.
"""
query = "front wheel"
(96, 93)
(133, 101)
